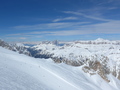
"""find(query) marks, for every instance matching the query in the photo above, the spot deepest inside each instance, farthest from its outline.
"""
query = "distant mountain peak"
(101, 40)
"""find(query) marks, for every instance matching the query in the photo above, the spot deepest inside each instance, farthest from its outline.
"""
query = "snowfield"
(21, 72)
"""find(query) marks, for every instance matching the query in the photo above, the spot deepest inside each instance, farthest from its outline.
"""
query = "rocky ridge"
(99, 56)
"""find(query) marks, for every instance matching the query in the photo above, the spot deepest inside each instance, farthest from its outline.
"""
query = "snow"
(82, 49)
(101, 40)
(73, 51)
(20, 72)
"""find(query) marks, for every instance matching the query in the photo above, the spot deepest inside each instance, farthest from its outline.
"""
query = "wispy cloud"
(104, 28)
(101, 28)
(69, 27)
(87, 16)
(112, 27)
(104, 2)
(22, 38)
(111, 8)
(63, 19)
(49, 26)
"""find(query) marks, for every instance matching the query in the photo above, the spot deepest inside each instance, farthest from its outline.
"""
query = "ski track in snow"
(61, 78)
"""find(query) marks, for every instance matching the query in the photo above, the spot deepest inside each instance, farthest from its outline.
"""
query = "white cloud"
(102, 28)
(63, 19)
(111, 8)
(105, 2)
(87, 16)
(49, 26)
(111, 27)
(23, 38)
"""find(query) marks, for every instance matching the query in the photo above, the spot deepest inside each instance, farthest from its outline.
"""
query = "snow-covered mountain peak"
(101, 40)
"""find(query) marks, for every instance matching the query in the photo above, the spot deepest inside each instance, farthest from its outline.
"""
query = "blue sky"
(39, 20)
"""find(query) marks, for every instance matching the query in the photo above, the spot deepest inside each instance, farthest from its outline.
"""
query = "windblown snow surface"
(20, 72)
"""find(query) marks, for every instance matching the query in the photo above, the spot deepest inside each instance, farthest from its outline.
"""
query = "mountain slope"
(96, 57)
(20, 72)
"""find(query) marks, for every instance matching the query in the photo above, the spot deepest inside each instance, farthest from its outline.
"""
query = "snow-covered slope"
(20, 72)
(97, 56)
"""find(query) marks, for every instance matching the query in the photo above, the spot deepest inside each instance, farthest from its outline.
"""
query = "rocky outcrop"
(66, 61)
(15, 47)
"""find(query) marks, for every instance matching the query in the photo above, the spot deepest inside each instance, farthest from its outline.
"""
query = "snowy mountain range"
(95, 59)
